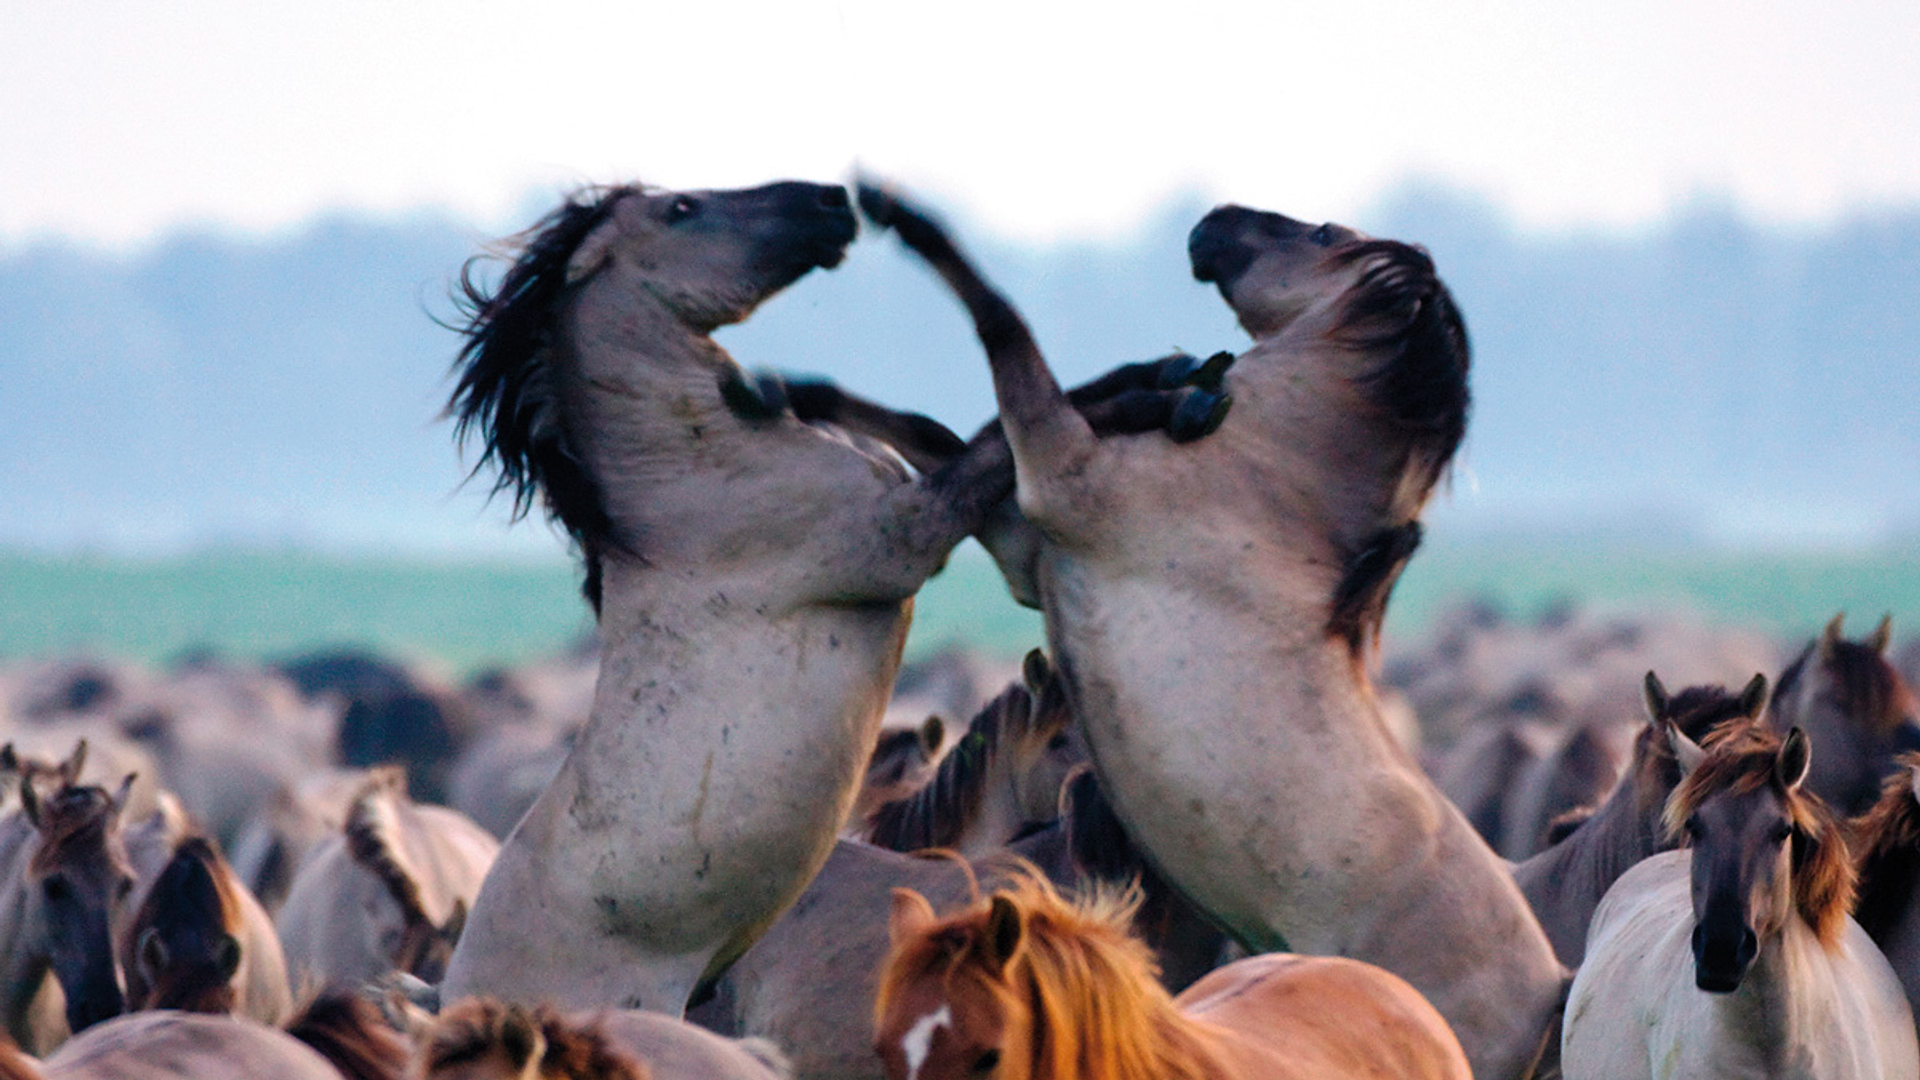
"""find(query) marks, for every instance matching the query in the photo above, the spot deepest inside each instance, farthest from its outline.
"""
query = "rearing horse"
(753, 552)
(69, 873)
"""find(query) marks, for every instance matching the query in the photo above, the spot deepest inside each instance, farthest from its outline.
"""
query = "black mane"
(506, 389)
(1399, 307)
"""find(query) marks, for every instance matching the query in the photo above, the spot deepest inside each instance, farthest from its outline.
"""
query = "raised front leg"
(1051, 441)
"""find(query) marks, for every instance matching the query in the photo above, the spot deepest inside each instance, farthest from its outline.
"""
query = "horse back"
(1288, 1015)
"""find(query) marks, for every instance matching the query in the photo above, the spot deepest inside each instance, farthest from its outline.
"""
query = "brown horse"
(486, 1039)
(200, 942)
(1002, 778)
(68, 872)
(1736, 956)
(1855, 707)
(1886, 847)
(1027, 986)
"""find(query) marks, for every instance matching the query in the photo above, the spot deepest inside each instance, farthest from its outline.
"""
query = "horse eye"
(121, 890)
(1058, 742)
(682, 208)
(986, 1063)
(1781, 832)
(1692, 827)
(1322, 235)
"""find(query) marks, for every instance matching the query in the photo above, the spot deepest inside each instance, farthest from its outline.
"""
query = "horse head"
(1851, 701)
(76, 878)
(1764, 851)
(185, 937)
(1360, 359)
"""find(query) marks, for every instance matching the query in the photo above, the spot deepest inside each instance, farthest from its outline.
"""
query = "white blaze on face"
(918, 1041)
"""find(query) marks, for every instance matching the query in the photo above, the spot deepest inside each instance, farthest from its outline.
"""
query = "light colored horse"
(296, 820)
(200, 942)
(1215, 607)
(1736, 958)
(1026, 986)
(753, 573)
(1855, 707)
(331, 1038)
(66, 873)
(387, 892)
(486, 1039)
(1001, 778)
(1886, 849)
(1566, 882)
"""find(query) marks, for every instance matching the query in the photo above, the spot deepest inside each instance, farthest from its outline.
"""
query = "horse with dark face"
(1855, 707)
(1735, 957)
(752, 549)
(201, 943)
(68, 875)
(1566, 882)
(1216, 606)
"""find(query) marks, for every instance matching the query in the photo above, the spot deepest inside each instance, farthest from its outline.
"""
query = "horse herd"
(1202, 834)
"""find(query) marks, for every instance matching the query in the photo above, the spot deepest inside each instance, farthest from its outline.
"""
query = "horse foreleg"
(1050, 439)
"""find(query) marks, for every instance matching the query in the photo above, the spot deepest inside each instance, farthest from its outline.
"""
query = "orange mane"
(1740, 759)
(1097, 1007)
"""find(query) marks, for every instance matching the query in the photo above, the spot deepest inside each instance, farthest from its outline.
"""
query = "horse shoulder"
(168, 1045)
(1872, 1004)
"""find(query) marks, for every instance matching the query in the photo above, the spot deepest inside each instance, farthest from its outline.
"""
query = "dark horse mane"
(1399, 307)
(1886, 842)
(506, 390)
(935, 815)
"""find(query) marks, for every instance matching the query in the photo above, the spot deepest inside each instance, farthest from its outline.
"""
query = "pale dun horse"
(1216, 606)
(1736, 957)
(1027, 986)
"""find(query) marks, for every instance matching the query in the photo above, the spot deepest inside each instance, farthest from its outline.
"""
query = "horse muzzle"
(1721, 960)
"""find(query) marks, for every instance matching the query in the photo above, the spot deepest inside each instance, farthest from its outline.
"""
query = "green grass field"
(465, 615)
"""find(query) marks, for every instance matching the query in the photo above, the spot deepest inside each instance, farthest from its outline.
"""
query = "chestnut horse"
(1027, 986)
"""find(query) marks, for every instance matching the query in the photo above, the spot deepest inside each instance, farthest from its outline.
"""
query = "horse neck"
(1626, 829)
(639, 378)
(1785, 1000)
(1137, 1037)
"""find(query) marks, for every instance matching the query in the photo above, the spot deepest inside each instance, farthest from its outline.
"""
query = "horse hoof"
(1198, 414)
(749, 401)
(1176, 369)
(773, 391)
(1210, 374)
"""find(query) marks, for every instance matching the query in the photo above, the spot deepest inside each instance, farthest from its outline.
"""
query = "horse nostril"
(834, 198)
(1749, 946)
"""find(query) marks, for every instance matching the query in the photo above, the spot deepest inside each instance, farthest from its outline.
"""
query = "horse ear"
(1006, 932)
(910, 915)
(1753, 699)
(1796, 756)
(227, 956)
(1882, 635)
(520, 1037)
(1656, 697)
(594, 251)
(70, 768)
(126, 789)
(150, 952)
(1685, 750)
(1035, 671)
(932, 733)
(29, 800)
(456, 923)
(1831, 636)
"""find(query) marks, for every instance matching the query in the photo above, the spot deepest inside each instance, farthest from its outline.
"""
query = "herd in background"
(1207, 832)
(335, 814)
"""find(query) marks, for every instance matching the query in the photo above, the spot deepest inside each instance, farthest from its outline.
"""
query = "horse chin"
(1716, 982)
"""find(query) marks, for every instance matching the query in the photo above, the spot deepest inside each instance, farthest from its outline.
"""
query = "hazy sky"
(125, 119)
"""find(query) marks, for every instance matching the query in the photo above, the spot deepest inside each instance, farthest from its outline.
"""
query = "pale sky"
(124, 119)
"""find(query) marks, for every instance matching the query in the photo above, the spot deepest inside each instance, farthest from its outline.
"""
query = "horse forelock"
(506, 391)
(76, 822)
(1741, 759)
(1093, 989)
(1705, 712)
(936, 814)
(1886, 841)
